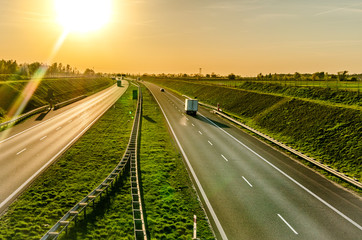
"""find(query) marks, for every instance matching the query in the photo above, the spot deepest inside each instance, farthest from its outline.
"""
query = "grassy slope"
(72, 177)
(328, 133)
(170, 200)
(64, 89)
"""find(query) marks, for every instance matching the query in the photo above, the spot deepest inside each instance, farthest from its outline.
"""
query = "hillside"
(329, 133)
(63, 89)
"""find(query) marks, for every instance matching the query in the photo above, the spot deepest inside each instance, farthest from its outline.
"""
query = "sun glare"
(83, 15)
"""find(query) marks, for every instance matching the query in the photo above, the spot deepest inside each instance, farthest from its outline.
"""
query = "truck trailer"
(191, 106)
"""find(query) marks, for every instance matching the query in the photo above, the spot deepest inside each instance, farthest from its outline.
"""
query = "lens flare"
(23, 99)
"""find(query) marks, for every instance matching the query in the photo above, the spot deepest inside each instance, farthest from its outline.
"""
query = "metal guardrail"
(137, 204)
(128, 162)
(23, 116)
(72, 215)
(65, 103)
(350, 180)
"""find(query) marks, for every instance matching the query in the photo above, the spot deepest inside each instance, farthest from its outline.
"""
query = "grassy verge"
(73, 176)
(330, 134)
(170, 200)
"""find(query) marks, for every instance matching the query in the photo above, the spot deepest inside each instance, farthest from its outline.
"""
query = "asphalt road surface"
(29, 148)
(252, 191)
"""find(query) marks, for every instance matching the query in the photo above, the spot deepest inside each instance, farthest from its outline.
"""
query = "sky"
(244, 37)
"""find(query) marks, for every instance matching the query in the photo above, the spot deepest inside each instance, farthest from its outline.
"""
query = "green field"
(331, 134)
(316, 90)
(341, 85)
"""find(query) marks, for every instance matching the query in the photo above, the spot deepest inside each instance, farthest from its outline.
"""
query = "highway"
(252, 191)
(29, 148)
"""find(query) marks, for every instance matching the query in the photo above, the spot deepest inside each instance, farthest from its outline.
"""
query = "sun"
(83, 15)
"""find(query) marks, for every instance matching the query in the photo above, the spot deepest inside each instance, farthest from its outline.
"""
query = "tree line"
(317, 76)
(28, 69)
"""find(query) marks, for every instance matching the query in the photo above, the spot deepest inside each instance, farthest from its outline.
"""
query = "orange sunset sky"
(244, 37)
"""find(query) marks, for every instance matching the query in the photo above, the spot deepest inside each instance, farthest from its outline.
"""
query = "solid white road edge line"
(208, 204)
(23, 186)
(287, 224)
(247, 181)
(41, 139)
(290, 178)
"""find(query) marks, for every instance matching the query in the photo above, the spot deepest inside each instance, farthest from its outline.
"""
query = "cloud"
(349, 8)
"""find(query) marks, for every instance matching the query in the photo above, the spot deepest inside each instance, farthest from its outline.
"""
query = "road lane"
(26, 151)
(257, 212)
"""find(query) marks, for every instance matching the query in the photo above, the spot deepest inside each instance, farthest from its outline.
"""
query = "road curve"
(252, 191)
(29, 148)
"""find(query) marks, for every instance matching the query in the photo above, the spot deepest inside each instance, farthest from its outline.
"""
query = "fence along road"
(129, 162)
(25, 153)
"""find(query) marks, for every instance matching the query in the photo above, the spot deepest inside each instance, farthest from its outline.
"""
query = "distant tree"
(231, 76)
(297, 76)
(24, 70)
(342, 75)
(321, 75)
(213, 75)
(260, 76)
(89, 72)
(208, 75)
(33, 67)
(68, 69)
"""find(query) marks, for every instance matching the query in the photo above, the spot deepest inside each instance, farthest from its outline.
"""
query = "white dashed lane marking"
(21, 151)
(224, 158)
(41, 139)
(247, 181)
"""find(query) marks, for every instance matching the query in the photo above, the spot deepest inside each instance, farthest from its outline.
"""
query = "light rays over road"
(22, 100)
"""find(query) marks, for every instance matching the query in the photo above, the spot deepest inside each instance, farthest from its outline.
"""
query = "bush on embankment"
(63, 89)
(325, 132)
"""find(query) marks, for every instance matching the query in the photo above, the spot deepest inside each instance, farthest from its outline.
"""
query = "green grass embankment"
(318, 93)
(330, 134)
(170, 200)
(83, 167)
(64, 89)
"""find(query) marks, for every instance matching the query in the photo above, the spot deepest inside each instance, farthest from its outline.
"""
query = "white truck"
(191, 106)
